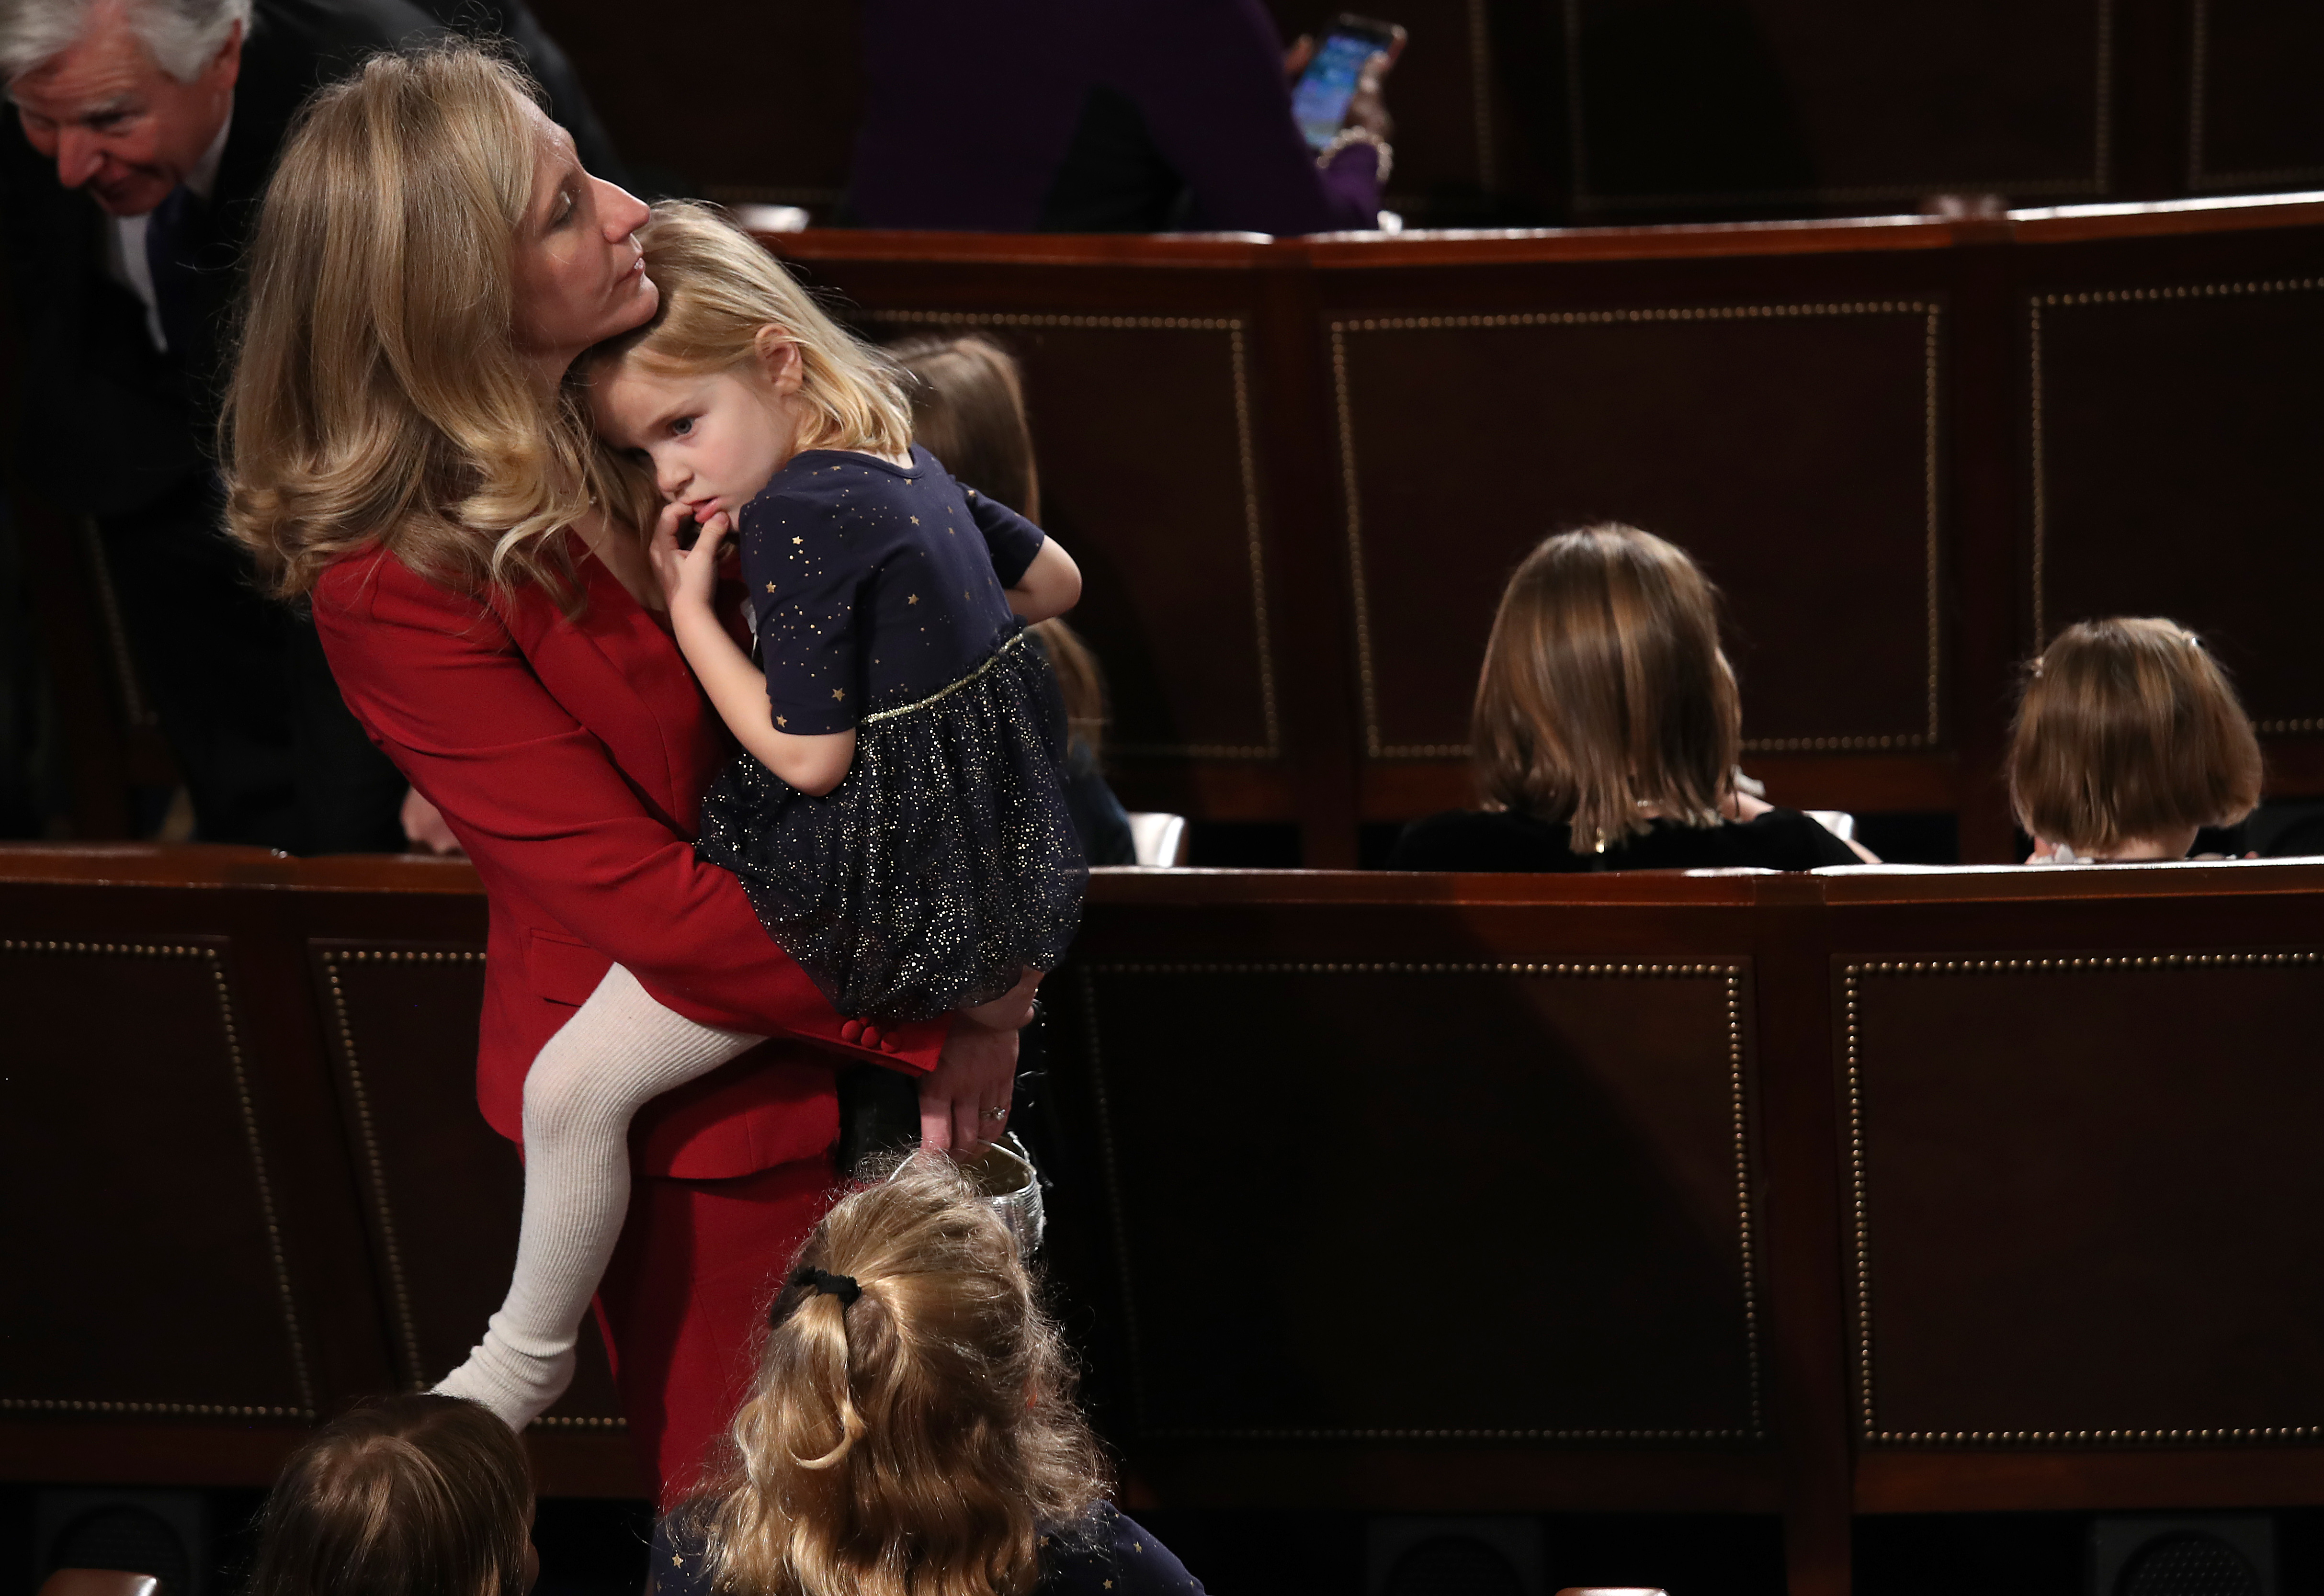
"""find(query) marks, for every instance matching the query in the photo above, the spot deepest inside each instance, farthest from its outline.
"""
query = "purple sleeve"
(1353, 178)
(1208, 76)
(1008, 537)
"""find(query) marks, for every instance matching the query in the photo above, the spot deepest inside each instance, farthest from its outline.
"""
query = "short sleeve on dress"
(678, 1565)
(1011, 540)
(1109, 1551)
(803, 578)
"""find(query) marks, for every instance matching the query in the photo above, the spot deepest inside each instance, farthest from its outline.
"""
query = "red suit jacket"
(569, 758)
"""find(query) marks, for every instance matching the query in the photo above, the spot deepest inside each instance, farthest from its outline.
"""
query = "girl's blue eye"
(681, 426)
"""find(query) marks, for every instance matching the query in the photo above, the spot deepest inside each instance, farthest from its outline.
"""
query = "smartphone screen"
(1320, 102)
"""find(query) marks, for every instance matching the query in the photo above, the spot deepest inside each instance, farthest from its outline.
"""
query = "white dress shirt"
(125, 240)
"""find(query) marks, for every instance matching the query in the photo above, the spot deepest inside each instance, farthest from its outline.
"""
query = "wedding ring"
(996, 1114)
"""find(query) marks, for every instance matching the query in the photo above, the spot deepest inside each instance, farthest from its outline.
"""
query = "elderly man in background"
(145, 131)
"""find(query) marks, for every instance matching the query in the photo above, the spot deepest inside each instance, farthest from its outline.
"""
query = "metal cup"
(1005, 1175)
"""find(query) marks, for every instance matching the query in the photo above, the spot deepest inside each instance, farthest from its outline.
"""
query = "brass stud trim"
(248, 1111)
(172, 1409)
(1238, 363)
(1730, 975)
(2038, 303)
(556, 1422)
(1481, 96)
(1867, 1417)
(1932, 344)
(382, 1210)
(2197, 120)
(375, 1182)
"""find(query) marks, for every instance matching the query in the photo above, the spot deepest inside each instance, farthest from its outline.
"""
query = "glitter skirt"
(940, 868)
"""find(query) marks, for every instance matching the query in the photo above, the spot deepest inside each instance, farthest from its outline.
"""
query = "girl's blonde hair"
(2129, 730)
(916, 1441)
(407, 1495)
(1604, 693)
(720, 291)
(968, 410)
(378, 395)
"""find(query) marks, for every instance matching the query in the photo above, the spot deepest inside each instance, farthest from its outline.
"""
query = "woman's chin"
(637, 308)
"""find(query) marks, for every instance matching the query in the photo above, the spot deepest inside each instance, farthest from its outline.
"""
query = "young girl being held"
(2128, 740)
(896, 816)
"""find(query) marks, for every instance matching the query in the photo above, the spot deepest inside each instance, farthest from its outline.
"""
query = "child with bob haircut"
(895, 814)
(407, 1495)
(911, 1429)
(1607, 727)
(2129, 739)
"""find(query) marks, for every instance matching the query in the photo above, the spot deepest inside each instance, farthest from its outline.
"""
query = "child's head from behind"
(409, 1495)
(968, 410)
(1605, 698)
(911, 1438)
(737, 371)
(2129, 737)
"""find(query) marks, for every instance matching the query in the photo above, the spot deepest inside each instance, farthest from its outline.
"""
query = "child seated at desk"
(2129, 740)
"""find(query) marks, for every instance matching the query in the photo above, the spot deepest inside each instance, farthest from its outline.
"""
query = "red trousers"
(683, 1298)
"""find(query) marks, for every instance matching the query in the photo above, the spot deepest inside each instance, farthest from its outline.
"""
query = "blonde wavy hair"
(721, 294)
(378, 395)
(1605, 698)
(917, 1442)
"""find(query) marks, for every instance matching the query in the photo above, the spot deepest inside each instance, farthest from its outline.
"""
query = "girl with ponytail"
(911, 1429)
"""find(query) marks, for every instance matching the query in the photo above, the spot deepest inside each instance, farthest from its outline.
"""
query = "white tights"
(620, 1050)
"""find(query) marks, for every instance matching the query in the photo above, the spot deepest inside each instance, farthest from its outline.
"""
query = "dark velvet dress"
(945, 864)
(1499, 840)
(1107, 1553)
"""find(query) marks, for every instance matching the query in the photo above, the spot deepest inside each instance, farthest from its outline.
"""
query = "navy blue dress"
(945, 863)
(1107, 1553)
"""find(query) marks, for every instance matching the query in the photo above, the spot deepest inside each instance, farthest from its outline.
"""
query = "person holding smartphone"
(1150, 116)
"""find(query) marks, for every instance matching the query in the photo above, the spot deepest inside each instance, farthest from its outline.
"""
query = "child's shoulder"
(847, 484)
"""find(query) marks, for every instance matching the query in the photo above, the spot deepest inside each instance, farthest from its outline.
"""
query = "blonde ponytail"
(911, 1441)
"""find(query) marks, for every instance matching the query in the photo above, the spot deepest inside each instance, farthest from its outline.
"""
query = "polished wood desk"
(1298, 472)
(1816, 1195)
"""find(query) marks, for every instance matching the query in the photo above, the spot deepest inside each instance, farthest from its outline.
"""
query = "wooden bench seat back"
(1300, 472)
(244, 1171)
(1381, 1177)
(2082, 1178)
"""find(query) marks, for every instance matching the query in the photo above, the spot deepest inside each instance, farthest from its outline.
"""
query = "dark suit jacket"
(110, 425)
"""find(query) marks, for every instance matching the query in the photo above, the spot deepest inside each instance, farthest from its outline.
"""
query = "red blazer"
(570, 759)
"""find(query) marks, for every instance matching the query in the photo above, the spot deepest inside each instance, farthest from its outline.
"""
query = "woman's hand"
(974, 1075)
(424, 828)
(1366, 107)
(688, 576)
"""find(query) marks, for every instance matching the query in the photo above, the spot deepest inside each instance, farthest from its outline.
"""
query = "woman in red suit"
(430, 261)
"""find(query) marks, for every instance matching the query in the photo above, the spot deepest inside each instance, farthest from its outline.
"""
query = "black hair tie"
(843, 1287)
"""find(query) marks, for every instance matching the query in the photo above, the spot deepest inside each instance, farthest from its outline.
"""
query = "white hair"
(182, 36)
